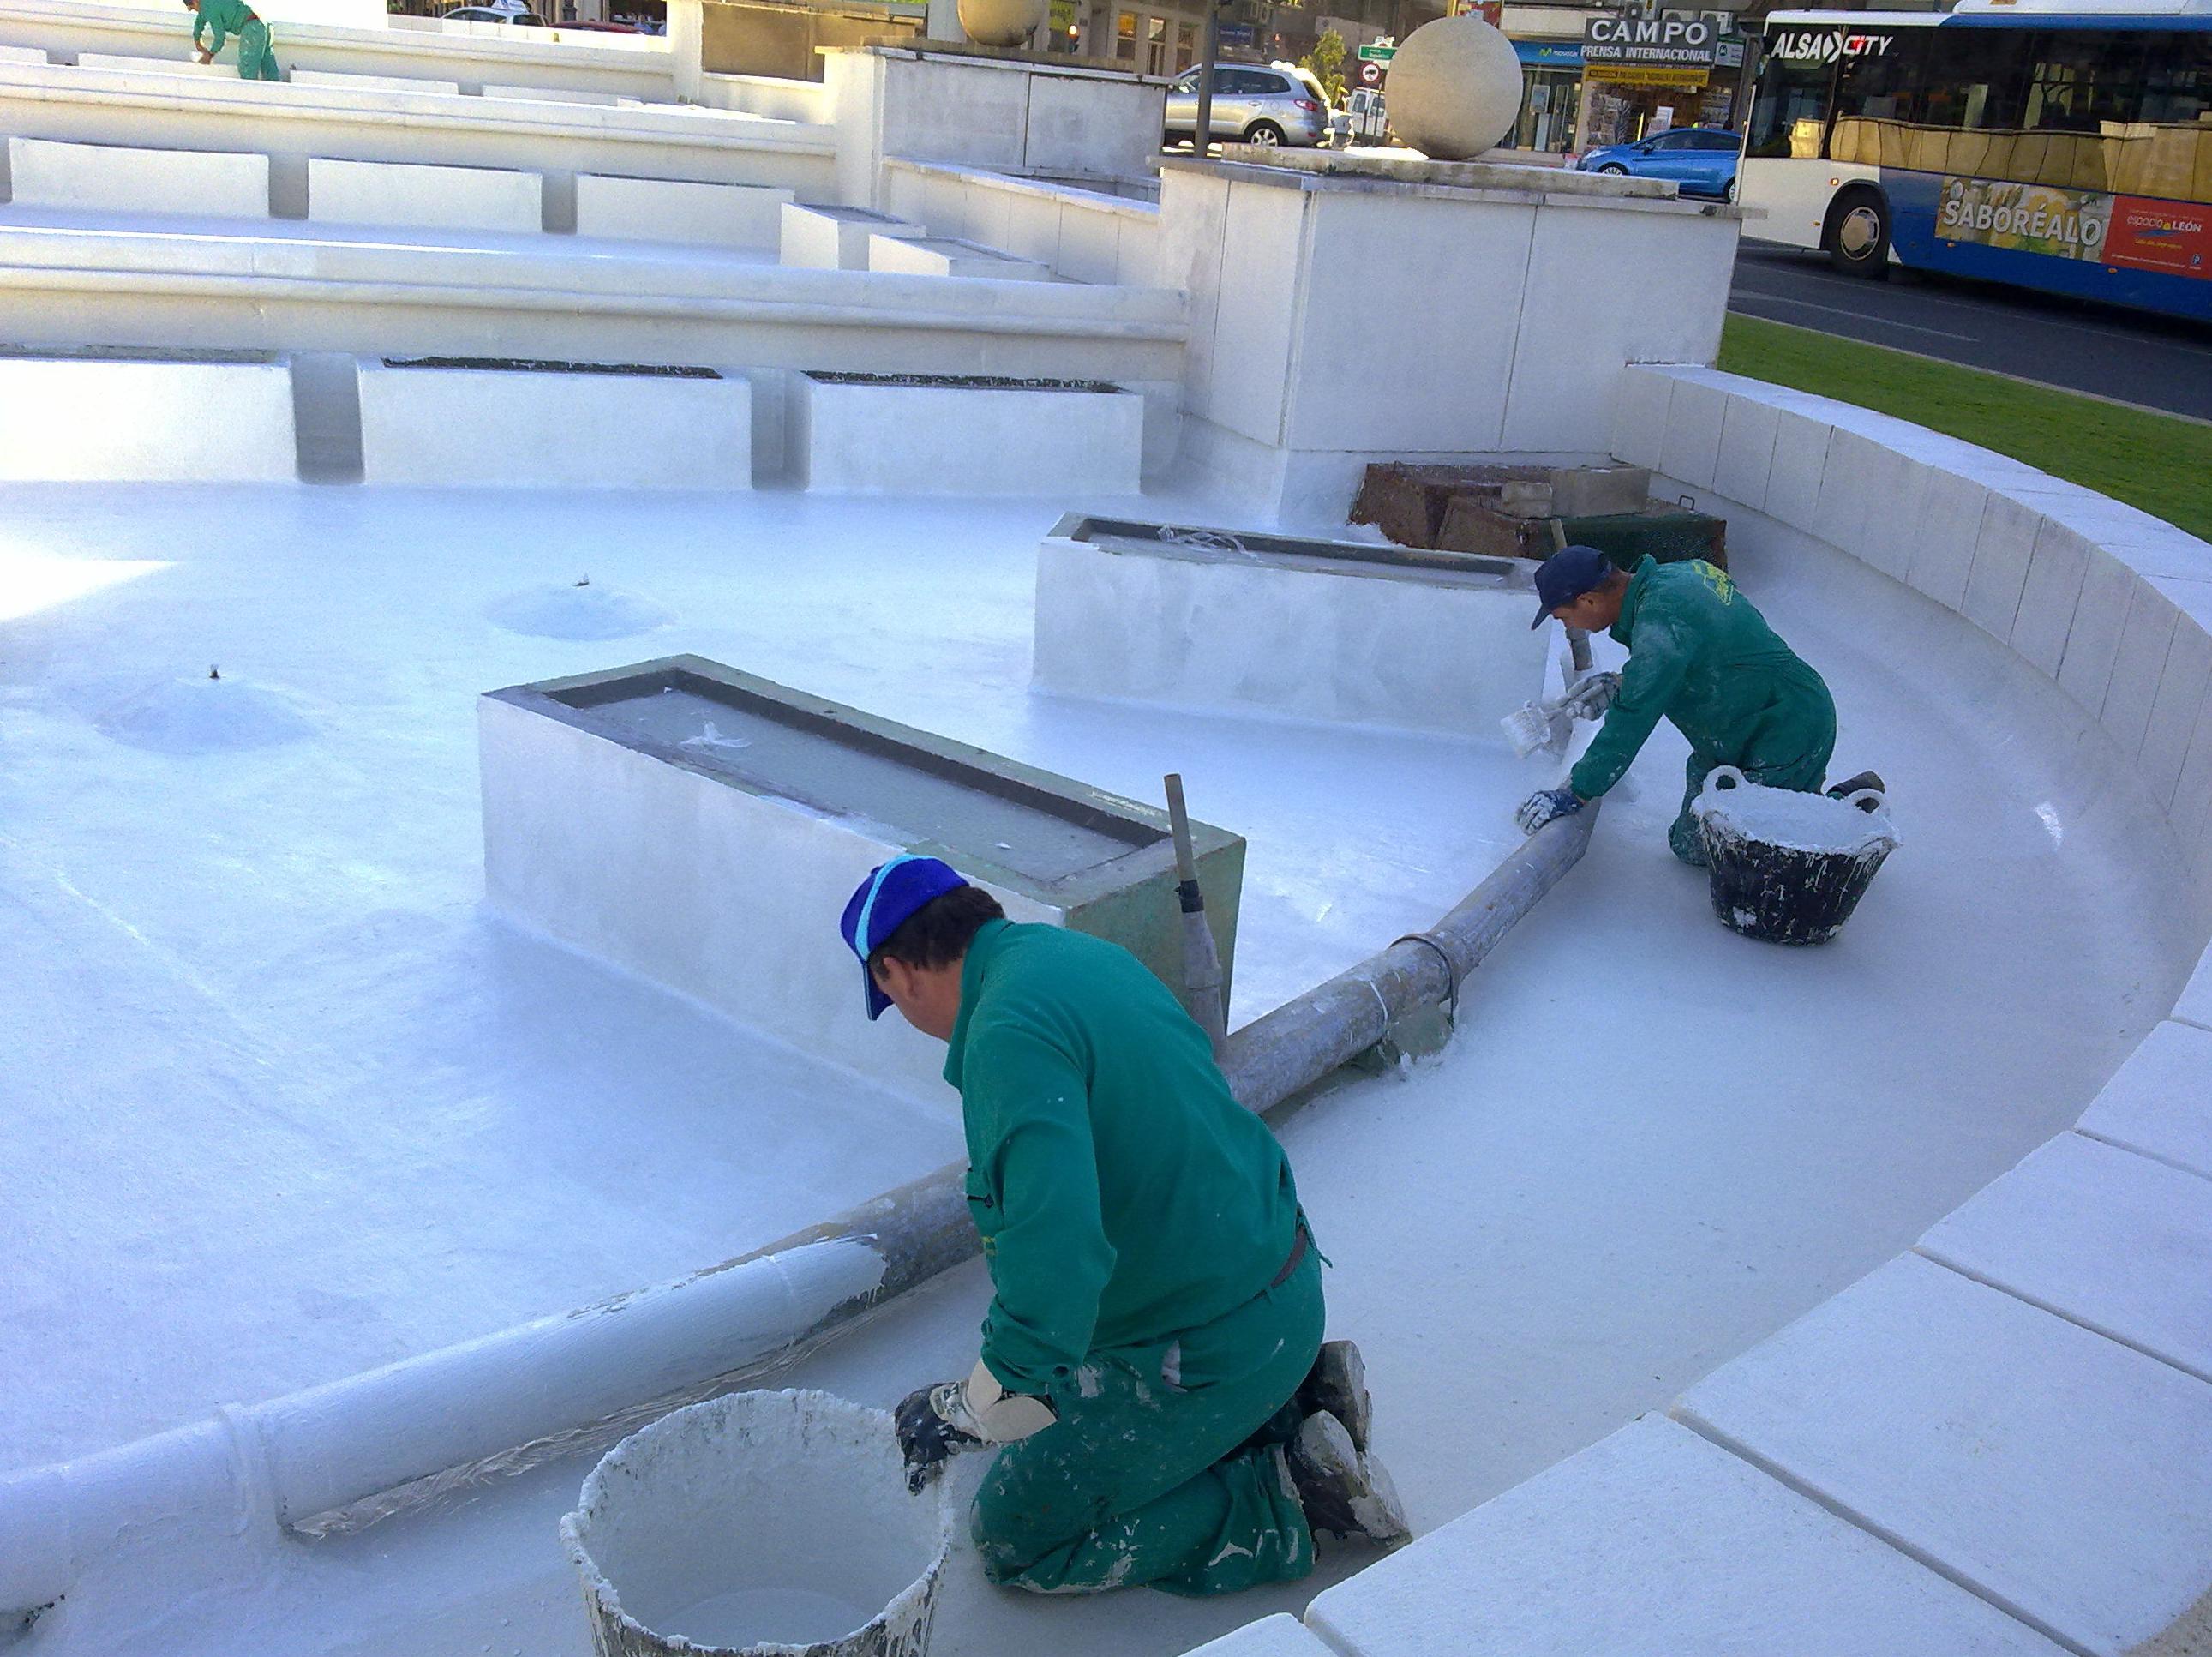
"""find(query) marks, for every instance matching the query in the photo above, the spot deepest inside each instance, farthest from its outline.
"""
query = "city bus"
(2061, 146)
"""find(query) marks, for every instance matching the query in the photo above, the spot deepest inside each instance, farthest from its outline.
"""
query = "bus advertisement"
(2061, 146)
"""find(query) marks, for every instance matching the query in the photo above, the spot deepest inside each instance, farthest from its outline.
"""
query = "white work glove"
(935, 1421)
(1593, 693)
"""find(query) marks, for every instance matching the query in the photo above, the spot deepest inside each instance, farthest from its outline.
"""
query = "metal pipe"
(336, 1455)
(1209, 48)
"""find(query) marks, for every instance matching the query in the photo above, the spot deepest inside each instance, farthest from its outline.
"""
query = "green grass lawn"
(2153, 461)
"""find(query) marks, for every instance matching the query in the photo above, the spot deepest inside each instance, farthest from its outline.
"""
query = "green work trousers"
(255, 61)
(1803, 772)
(1143, 1479)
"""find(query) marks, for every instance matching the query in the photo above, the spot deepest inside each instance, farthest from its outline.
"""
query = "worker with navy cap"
(1152, 1371)
(1700, 654)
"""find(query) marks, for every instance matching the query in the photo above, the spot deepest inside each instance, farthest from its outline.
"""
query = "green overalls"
(1152, 1275)
(1702, 655)
(255, 60)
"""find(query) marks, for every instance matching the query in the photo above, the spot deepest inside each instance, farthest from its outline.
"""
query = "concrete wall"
(1079, 234)
(661, 209)
(949, 256)
(927, 439)
(431, 198)
(112, 179)
(469, 427)
(818, 237)
(71, 420)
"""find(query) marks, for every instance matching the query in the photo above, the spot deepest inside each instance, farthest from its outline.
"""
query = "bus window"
(2178, 81)
(1792, 96)
(1883, 87)
(1976, 80)
(2077, 80)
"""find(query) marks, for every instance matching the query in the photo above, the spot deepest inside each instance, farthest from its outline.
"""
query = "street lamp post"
(1202, 137)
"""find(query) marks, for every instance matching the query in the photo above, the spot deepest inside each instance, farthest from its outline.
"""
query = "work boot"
(1342, 1491)
(1851, 785)
(1337, 1384)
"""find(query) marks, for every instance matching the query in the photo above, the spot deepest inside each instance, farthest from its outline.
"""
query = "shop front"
(1650, 72)
(1551, 78)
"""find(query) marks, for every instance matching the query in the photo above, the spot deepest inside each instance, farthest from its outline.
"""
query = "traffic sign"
(1378, 54)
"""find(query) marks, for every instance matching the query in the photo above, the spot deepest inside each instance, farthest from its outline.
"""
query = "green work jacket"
(225, 17)
(1700, 654)
(1124, 1197)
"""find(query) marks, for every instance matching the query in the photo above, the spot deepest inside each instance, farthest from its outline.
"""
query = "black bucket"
(1799, 892)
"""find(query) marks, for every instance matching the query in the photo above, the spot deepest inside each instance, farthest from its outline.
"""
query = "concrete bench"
(954, 436)
(826, 238)
(666, 209)
(427, 197)
(949, 256)
(98, 418)
(337, 82)
(479, 425)
(113, 178)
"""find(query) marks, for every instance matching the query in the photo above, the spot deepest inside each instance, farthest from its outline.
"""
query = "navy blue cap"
(880, 904)
(1565, 577)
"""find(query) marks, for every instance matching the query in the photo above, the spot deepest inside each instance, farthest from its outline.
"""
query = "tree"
(1325, 62)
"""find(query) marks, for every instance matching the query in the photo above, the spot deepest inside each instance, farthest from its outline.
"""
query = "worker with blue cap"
(1701, 655)
(1152, 1372)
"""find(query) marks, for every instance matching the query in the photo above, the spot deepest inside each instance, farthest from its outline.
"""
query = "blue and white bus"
(2059, 144)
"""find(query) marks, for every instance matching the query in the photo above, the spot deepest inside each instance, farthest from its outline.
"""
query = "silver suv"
(1251, 106)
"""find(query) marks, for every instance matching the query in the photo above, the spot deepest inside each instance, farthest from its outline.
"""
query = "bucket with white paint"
(1788, 867)
(759, 1524)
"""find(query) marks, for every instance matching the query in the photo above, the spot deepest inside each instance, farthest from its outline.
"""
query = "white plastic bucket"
(765, 1524)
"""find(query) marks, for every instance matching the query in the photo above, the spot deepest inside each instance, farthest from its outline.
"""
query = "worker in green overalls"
(1701, 655)
(226, 17)
(1153, 1368)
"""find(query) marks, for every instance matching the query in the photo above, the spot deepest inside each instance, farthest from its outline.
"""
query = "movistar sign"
(1813, 45)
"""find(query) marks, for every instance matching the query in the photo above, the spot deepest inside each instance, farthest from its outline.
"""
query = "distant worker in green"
(227, 17)
(1700, 654)
(1152, 1371)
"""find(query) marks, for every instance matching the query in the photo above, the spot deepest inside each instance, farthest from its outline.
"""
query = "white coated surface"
(1655, 1541)
(226, 65)
(431, 197)
(2157, 1101)
(1082, 235)
(551, 95)
(934, 440)
(949, 256)
(103, 178)
(833, 238)
(1279, 1636)
(665, 210)
(2055, 1471)
(2113, 1241)
(481, 427)
(145, 422)
(1218, 635)
(339, 80)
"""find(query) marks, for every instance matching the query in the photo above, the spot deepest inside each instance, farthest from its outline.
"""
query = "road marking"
(1855, 316)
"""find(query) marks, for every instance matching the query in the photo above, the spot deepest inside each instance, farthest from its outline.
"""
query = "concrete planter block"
(1691, 447)
(1279, 1636)
(2175, 713)
(1746, 451)
(1655, 1541)
(1641, 397)
(2044, 1467)
(2111, 1240)
(729, 818)
(36, 55)
(113, 178)
(2155, 1102)
(1999, 574)
(876, 435)
(2137, 666)
(2056, 571)
(1337, 631)
(1897, 490)
(336, 81)
(1800, 457)
(469, 425)
(2086, 670)
(426, 198)
(665, 210)
(110, 417)
(1950, 529)
(949, 256)
(819, 238)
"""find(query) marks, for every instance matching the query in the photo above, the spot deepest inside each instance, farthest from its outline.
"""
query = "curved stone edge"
(1996, 1441)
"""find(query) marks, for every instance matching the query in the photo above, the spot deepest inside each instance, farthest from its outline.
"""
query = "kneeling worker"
(255, 61)
(1152, 1368)
(1700, 654)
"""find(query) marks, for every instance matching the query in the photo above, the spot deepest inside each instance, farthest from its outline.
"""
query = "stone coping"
(1995, 1442)
(1066, 195)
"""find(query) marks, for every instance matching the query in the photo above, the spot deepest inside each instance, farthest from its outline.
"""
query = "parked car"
(497, 13)
(1251, 105)
(1701, 159)
(604, 29)
(1367, 120)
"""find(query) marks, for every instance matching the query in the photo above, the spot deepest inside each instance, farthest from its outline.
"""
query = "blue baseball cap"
(880, 904)
(1565, 577)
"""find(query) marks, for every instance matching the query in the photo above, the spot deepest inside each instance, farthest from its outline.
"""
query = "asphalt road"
(2158, 362)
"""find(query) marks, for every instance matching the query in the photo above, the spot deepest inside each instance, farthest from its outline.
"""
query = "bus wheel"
(1857, 233)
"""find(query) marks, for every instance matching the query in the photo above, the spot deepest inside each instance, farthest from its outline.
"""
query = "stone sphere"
(1455, 88)
(1001, 22)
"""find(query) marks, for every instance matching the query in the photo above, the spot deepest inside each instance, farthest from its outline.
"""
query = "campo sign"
(1670, 39)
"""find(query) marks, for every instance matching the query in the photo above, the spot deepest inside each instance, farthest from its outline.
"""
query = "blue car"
(1701, 159)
